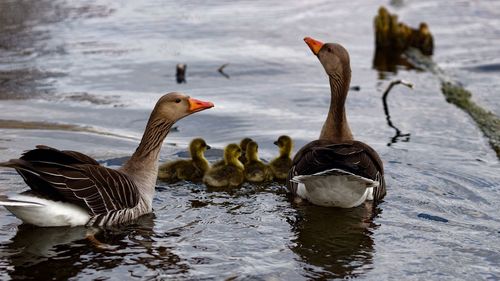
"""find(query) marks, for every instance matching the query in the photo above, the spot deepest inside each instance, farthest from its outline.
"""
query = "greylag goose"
(230, 174)
(336, 170)
(191, 170)
(69, 188)
(255, 170)
(281, 164)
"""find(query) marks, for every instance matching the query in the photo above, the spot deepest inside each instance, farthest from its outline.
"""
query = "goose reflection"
(60, 253)
(334, 243)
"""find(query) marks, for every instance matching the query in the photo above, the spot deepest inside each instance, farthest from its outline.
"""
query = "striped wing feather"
(354, 157)
(77, 178)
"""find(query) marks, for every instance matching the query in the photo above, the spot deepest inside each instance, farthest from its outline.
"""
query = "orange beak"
(198, 105)
(315, 45)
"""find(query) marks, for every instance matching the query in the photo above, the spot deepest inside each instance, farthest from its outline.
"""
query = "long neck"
(142, 167)
(155, 133)
(336, 128)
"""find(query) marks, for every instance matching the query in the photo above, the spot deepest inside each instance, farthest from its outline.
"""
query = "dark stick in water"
(388, 116)
(221, 70)
(180, 74)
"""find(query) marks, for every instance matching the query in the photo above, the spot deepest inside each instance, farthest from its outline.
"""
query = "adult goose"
(336, 170)
(69, 188)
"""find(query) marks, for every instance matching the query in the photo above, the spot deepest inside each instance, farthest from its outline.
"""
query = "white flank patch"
(44, 212)
(335, 188)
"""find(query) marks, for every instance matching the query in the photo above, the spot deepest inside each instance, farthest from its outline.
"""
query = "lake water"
(101, 65)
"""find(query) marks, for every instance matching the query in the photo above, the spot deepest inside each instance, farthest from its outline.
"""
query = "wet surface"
(101, 65)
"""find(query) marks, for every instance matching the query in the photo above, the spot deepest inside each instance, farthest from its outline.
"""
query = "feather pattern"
(353, 157)
(76, 178)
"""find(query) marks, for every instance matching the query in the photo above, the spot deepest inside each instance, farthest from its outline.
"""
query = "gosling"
(230, 174)
(242, 158)
(255, 170)
(191, 170)
(281, 164)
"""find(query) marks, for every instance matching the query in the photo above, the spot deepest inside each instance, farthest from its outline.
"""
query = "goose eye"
(330, 50)
(177, 100)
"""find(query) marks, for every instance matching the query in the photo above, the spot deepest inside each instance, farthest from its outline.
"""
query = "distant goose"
(192, 170)
(69, 188)
(336, 170)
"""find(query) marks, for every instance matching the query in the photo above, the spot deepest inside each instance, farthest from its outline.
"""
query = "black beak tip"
(208, 146)
(276, 143)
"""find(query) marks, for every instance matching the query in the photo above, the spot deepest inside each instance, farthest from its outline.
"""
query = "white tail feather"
(335, 188)
(9, 201)
(44, 212)
(335, 172)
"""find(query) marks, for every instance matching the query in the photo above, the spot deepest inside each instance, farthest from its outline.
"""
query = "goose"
(227, 175)
(191, 170)
(281, 164)
(255, 170)
(336, 170)
(69, 188)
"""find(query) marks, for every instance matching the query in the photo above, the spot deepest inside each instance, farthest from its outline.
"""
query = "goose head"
(174, 106)
(252, 151)
(244, 142)
(334, 58)
(284, 144)
(231, 154)
(198, 146)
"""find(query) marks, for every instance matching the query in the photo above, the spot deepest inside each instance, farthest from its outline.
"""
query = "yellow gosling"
(229, 174)
(242, 158)
(281, 165)
(191, 170)
(255, 170)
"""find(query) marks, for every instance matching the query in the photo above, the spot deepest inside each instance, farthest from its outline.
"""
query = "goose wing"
(353, 157)
(74, 177)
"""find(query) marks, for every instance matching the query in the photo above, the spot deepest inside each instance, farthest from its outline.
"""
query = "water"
(103, 64)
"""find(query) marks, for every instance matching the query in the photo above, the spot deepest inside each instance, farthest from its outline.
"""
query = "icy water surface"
(84, 75)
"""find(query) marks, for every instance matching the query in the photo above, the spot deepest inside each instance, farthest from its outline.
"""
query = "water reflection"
(35, 250)
(399, 136)
(389, 60)
(336, 240)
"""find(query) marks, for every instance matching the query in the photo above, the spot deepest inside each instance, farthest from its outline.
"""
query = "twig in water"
(388, 116)
(180, 74)
(221, 70)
